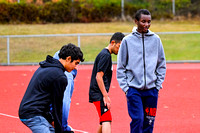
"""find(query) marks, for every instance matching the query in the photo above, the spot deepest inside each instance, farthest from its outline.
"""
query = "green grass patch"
(177, 46)
(181, 46)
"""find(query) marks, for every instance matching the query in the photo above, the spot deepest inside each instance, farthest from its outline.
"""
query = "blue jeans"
(142, 105)
(38, 124)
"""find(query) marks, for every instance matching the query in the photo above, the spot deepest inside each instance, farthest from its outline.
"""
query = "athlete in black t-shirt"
(100, 82)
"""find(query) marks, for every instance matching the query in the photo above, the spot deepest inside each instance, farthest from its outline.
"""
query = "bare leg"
(100, 129)
(106, 127)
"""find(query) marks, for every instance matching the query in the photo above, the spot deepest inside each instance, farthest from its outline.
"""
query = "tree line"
(67, 11)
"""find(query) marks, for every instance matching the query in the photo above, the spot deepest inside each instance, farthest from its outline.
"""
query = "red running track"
(178, 105)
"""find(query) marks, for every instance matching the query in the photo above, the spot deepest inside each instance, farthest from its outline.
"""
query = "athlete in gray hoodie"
(141, 69)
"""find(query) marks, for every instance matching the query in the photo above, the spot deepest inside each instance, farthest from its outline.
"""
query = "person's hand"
(107, 102)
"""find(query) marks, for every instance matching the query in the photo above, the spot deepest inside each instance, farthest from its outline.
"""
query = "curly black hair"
(71, 50)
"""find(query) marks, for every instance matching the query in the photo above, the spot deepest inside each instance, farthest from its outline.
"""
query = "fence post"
(79, 41)
(122, 10)
(8, 50)
(173, 7)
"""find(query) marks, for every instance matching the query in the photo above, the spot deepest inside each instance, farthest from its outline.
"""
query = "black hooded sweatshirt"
(46, 86)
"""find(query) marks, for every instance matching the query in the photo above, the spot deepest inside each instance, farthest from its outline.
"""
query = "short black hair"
(117, 37)
(71, 50)
(141, 11)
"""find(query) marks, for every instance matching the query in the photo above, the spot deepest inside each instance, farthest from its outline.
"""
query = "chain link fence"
(31, 49)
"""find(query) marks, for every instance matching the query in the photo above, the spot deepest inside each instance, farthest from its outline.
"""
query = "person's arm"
(99, 79)
(59, 86)
(122, 59)
(161, 67)
(67, 101)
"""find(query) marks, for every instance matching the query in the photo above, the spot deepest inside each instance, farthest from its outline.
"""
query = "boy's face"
(115, 48)
(144, 23)
(71, 65)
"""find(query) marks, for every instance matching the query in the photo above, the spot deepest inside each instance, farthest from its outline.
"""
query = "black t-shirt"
(103, 62)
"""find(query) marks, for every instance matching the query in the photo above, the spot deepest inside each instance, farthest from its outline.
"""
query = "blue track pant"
(142, 105)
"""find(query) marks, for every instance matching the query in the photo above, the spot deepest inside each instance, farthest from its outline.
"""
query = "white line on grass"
(18, 118)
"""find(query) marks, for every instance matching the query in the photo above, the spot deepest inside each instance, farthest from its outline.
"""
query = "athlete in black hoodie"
(47, 86)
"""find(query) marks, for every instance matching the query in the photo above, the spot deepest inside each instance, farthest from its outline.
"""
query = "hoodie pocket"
(130, 76)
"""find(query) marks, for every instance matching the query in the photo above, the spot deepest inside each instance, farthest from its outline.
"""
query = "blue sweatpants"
(142, 105)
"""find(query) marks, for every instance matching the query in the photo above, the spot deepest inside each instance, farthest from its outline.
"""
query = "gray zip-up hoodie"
(141, 61)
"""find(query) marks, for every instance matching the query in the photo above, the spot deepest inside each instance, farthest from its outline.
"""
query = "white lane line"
(9, 115)
(79, 131)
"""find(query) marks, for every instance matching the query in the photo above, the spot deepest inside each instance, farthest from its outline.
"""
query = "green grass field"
(177, 47)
